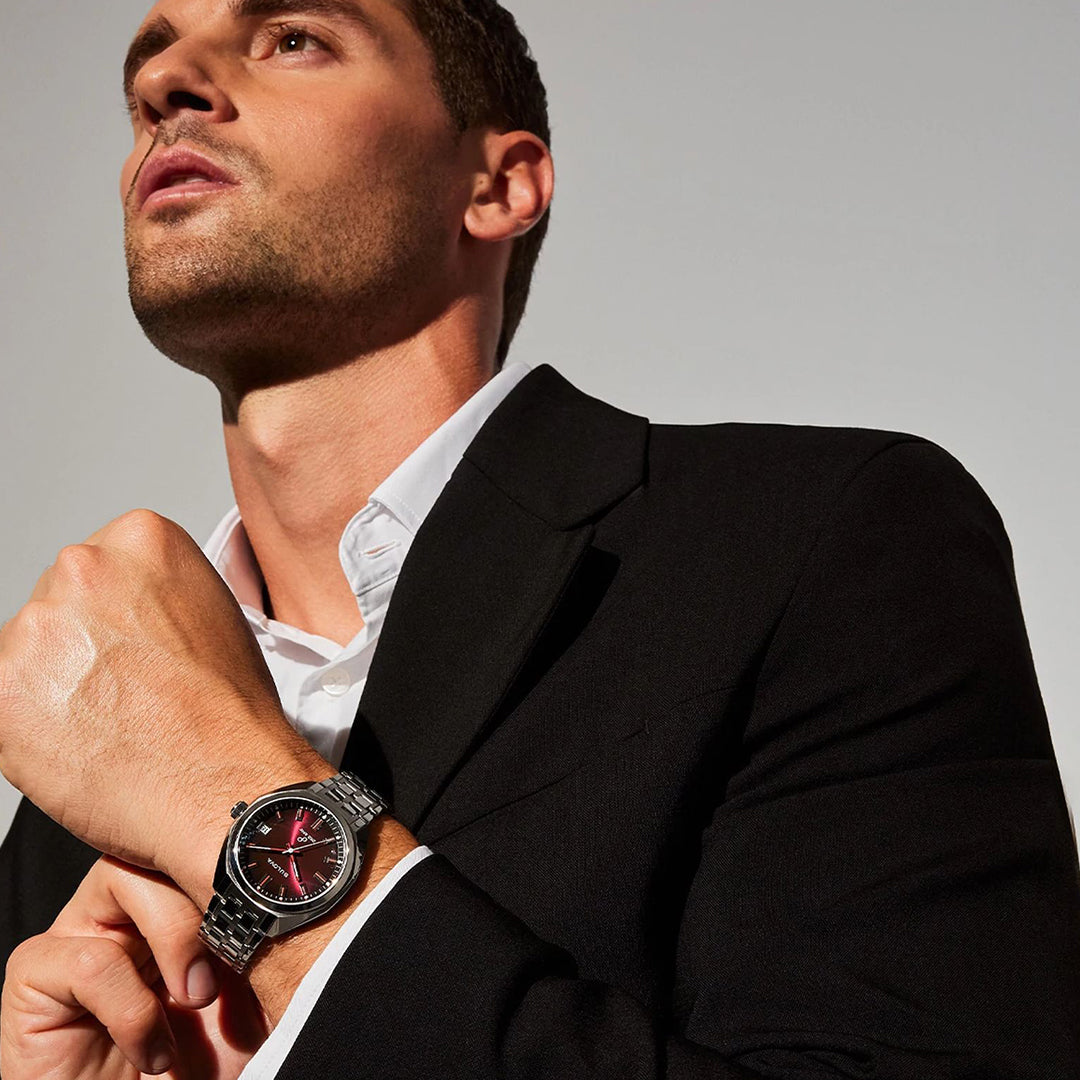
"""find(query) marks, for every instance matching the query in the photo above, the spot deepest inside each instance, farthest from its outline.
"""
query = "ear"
(513, 190)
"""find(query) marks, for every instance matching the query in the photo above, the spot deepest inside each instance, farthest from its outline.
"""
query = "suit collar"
(410, 491)
(484, 576)
(558, 452)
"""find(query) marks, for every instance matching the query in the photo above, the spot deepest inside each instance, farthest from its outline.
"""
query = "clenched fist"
(120, 987)
(135, 703)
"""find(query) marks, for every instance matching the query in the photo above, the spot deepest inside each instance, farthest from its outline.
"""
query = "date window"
(264, 828)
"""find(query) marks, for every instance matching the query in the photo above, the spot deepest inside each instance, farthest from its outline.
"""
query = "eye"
(291, 39)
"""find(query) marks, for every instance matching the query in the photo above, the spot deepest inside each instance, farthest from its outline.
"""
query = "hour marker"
(264, 881)
(303, 889)
(320, 877)
(279, 815)
(318, 824)
(300, 814)
(253, 866)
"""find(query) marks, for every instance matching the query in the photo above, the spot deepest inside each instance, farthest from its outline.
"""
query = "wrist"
(279, 963)
(192, 859)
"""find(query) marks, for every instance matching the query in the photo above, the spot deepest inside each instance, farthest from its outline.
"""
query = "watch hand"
(290, 850)
(302, 847)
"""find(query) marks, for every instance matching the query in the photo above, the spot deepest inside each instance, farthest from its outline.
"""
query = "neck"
(305, 456)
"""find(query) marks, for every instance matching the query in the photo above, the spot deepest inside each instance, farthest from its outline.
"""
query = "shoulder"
(818, 460)
(795, 478)
(804, 452)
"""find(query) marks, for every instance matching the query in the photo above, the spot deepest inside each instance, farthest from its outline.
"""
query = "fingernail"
(161, 1056)
(201, 980)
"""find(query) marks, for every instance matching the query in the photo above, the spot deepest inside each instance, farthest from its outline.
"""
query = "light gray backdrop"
(860, 213)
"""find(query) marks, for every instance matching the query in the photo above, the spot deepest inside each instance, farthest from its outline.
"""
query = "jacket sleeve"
(41, 865)
(266, 1062)
(888, 886)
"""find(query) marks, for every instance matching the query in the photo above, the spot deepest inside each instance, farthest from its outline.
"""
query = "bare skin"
(351, 344)
(343, 291)
(107, 988)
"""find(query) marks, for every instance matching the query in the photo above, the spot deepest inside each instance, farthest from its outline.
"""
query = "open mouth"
(180, 174)
(184, 187)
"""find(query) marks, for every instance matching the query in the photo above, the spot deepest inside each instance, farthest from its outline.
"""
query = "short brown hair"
(486, 75)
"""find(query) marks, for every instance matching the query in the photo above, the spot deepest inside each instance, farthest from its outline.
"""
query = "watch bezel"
(287, 916)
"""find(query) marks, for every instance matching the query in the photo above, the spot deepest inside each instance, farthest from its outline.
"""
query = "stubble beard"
(255, 296)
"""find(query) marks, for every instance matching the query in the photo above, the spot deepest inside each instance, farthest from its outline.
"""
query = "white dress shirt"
(319, 681)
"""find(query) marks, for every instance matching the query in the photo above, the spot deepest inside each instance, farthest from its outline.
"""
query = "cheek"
(341, 147)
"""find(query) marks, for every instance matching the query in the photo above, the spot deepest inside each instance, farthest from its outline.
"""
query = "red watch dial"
(291, 851)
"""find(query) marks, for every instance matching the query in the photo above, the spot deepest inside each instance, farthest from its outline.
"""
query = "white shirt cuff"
(271, 1055)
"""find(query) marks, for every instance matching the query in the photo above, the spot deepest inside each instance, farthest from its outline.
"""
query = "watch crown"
(238, 809)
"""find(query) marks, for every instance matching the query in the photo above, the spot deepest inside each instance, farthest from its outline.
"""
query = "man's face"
(335, 187)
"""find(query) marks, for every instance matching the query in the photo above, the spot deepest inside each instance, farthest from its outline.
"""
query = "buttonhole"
(372, 552)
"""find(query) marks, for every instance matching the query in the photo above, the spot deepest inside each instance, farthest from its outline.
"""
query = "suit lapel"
(483, 576)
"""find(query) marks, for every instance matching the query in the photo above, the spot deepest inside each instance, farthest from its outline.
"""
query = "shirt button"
(335, 682)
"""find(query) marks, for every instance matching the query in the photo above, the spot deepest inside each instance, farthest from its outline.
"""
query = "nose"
(179, 78)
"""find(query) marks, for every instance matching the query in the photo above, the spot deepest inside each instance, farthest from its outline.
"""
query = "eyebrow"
(342, 9)
(159, 33)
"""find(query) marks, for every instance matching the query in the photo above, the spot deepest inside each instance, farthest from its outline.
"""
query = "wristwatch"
(289, 857)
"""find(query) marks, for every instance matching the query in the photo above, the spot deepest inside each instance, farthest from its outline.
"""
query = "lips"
(179, 173)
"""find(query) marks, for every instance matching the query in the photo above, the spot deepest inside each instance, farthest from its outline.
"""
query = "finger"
(95, 975)
(115, 896)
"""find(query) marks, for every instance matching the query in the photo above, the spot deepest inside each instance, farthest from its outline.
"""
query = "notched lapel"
(482, 578)
(475, 590)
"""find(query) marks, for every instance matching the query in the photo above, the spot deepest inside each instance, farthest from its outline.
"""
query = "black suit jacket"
(729, 745)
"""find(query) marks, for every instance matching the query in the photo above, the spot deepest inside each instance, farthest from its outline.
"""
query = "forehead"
(384, 20)
(385, 23)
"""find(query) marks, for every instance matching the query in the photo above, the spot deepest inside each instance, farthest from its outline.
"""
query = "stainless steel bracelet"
(360, 804)
(232, 927)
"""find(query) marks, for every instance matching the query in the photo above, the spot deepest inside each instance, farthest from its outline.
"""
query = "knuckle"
(176, 923)
(180, 916)
(79, 563)
(98, 958)
(144, 531)
(22, 958)
(140, 523)
(30, 620)
(178, 930)
(139, 1014)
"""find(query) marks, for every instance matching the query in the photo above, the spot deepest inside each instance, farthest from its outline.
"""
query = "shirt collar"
(410, 491)
(393, 513)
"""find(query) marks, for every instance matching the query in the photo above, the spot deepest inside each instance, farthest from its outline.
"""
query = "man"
(709, 751)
